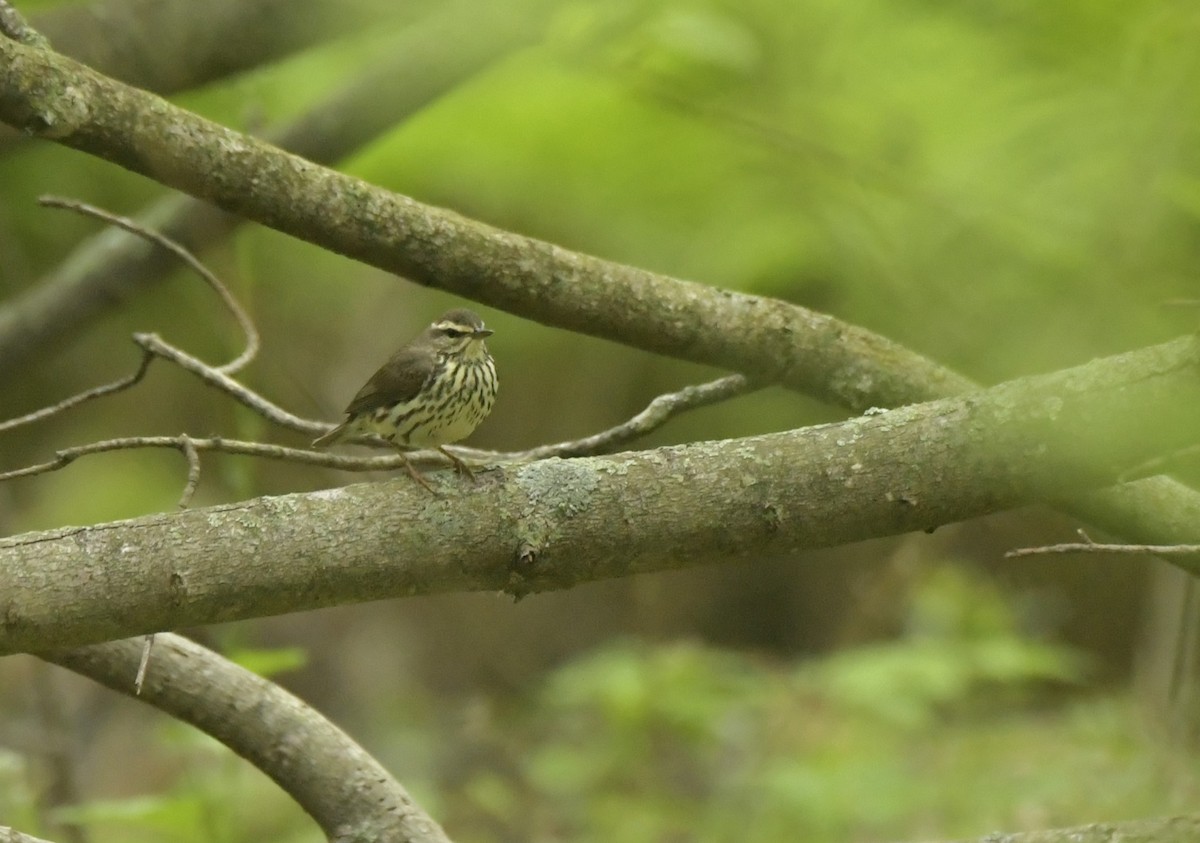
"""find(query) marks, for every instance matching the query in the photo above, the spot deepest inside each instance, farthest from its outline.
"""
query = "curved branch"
(555, 523)
(335, 780)
(207, 275)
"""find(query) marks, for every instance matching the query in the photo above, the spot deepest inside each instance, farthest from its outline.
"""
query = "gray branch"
(555, 523)
(334, 779)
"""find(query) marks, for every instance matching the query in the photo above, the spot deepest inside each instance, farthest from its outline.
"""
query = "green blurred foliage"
(896, 741)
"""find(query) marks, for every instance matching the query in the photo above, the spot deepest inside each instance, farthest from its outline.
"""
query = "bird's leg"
(412, 469)
(459, 466)
(417, 475)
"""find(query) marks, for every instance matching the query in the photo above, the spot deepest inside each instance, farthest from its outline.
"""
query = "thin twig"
(1093, 547)
(143, 664)
(242, 394)
(193, 475)
(153, 346)
(76, 400)
(657, 413)
(231, 303)
(66, 456)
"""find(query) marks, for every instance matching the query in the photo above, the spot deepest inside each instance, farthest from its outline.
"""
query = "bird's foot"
(461, 467)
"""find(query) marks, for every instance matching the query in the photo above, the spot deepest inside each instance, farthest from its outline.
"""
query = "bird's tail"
(331, 437)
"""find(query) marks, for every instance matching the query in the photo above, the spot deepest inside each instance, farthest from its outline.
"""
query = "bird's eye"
(452, 333)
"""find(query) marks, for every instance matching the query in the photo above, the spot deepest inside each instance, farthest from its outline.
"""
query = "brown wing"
(398, 380)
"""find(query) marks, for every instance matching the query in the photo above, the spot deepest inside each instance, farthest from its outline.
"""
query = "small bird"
(433, 391)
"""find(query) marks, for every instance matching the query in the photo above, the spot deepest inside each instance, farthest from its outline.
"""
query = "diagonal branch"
(335, 780)
(119, 385)
(554, 523)
(227, 298)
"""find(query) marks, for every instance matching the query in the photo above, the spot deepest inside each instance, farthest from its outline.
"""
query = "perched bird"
(433, 391)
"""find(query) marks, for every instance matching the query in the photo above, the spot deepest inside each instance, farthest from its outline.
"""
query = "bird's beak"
(482, 332)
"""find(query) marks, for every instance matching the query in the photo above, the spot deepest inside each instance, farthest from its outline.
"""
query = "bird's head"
(459, 332)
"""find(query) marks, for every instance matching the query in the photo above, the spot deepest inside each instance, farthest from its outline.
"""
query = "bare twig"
(1089, 545)
(243, 319)
(66, 456)
(1094, 547)
(657, 413)
(220, 380)
(76, 400)
(153, 346)
(143, 664)
(193, 475)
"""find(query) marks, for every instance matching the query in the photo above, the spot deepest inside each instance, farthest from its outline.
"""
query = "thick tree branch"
(555, 523)
(338, 783)
(102, 273)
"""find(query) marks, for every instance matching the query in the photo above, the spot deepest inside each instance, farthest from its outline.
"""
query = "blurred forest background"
(1007, 187)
